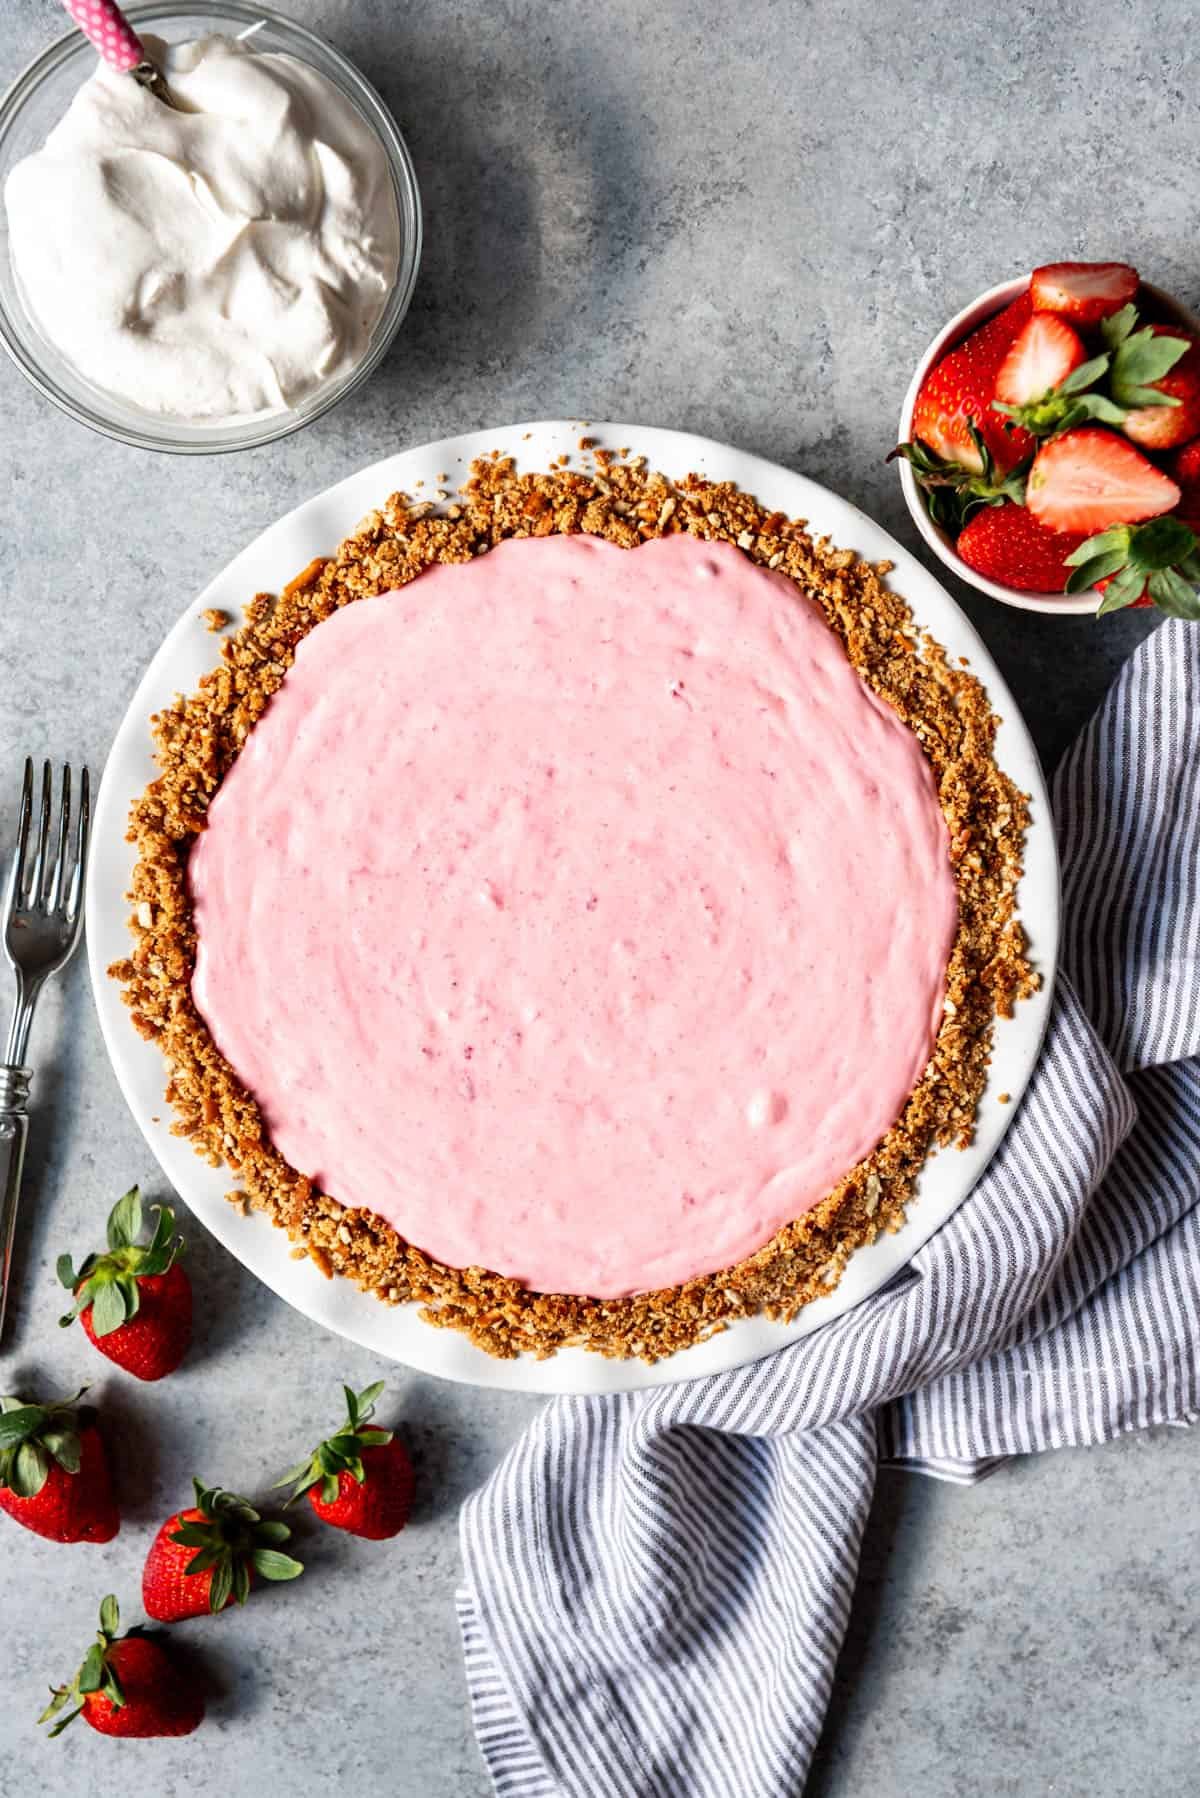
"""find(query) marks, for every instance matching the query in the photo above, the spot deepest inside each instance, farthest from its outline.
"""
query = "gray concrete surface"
(746, 220)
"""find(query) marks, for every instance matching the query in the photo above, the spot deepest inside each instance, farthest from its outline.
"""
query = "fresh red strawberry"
(1084, 292)
(360, 1480)
(1007, 544)
(206, 1557)
(1153, 564)
(135, 1301)
(1089, 479)
(1044, 353)
(1185, 470)
(54, 1475)
(960, 388)
(1175, 419)
(127, 1686)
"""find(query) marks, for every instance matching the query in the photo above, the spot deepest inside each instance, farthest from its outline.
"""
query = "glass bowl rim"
(19, 335)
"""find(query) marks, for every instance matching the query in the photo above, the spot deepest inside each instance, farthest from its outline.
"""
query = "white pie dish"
(189, 650)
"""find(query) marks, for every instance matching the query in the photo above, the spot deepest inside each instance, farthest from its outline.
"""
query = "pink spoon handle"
(106, 26)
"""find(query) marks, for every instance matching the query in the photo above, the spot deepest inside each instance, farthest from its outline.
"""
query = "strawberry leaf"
(164, 1223)
(91, 1674)
(1161, 543)
(1086, 375)
(1174, 595)
(330, 1487)
(272, 1532)
(65, 1269)
(1087, 574)
(1121, 591)
(300, 1476)
(17, 1425)
(207, 1557)
(241, 1581)
(192, 1535)
(63, 1443)
(59, 1695)
(63, 1722)
(1115, 537)
(1116, 327)
(343, 1444)
(1144, 357)
(125, 1220)
(271, 1565)
(110, 1616)
(221, 1589)
(30, 1470)
(109, 1308)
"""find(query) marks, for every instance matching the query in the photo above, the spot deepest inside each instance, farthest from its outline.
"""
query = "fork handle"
(14, 1130)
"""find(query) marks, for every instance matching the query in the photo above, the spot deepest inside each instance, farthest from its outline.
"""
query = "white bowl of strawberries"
(1050, 443)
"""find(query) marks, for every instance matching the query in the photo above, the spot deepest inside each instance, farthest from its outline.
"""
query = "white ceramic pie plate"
(190, 650)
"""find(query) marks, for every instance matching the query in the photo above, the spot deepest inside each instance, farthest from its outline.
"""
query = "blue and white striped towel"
(657, 1585)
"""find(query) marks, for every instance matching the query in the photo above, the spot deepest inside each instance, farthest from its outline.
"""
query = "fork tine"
(18, 872)
(82, 834)
(34, 890)
(55, 883)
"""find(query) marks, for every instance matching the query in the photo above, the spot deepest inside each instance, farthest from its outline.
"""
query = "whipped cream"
(212, 263)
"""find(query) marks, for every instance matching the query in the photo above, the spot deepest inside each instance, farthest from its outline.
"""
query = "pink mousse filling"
(578, 910)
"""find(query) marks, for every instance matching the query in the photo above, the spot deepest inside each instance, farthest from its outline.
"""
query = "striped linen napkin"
(657, 1585)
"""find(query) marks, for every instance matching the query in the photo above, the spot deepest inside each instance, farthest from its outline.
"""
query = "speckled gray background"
(745, 220)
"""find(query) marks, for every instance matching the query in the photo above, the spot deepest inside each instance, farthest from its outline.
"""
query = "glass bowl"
(33, 106)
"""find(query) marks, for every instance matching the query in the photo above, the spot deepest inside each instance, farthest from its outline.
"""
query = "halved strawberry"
(1084, 292)
(1089, 479)
(1043, 354)
(959, 390)
(1007, 544)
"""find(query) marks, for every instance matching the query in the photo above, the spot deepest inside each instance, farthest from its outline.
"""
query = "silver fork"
(43, 916)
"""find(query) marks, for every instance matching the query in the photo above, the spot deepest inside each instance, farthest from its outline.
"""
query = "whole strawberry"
(54, 1475)
(360, 1480)
(127, 1686)
(206, 1557)
(1007, 544)
(134, 1301)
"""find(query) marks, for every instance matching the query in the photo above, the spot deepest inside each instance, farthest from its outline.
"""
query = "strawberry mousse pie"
(581, 911)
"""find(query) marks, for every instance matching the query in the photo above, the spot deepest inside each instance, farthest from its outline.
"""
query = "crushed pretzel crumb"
(199, 736)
